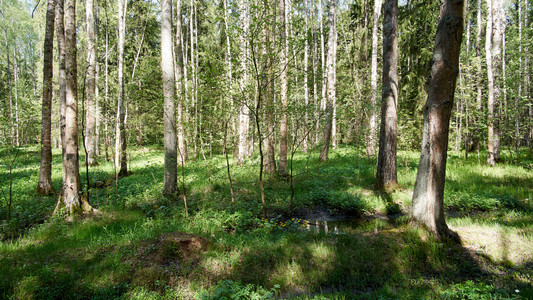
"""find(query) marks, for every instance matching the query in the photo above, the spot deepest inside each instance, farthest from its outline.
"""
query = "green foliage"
(228, 289)
(477, 291)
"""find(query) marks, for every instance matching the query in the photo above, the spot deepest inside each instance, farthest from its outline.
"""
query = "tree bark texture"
(91, 84)
(386, 175)
(169, 92)
(44, 186)
(427, 206)
(283, 142)
(498, 32)
(120, 126)
(244, 113)
(72, 198)
(491, 160)
(180, 83)
(372, 123)
(331, 90)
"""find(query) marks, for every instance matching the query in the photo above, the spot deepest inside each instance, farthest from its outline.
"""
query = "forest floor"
(141, 245)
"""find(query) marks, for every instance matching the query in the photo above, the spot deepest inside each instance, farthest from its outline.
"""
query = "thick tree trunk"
(427, 206)
(479, 78)
(371, 137)
(120, 125)
(283, 142)
(331, 65)
(169, 92)
(72, 198)
(91, 84)
(498, 20)
(386, 177)
(44, 186)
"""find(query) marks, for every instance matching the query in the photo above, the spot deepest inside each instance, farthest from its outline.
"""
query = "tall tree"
(180, 84)
(386, 177)
(283, 143)
(44, 187)
(120, 126)
(498, 33)
(331, 89)
(244, 112)
(371, 138)
(91, 84)
(491, 159)
(427, 206)
(71, 198)
(169, 92)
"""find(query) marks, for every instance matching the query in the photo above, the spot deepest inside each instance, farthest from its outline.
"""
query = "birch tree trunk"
(243, 111)
(283, 143)
(427, 206)
(169, 92)
(44, 186)
(120, 126)
(331, 65)
(371, 138)
(60, 33)
(490, 81)
(386, 175)
(91, 84)
(498, 20)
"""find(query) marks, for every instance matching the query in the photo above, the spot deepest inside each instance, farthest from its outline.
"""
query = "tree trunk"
(283, 143)
(498, 23)
(269, 94)
(72, 199)
(44, 186)
(386, 177)
(371, 138)
(91, 84)
(180, 83)
(477, 119)
(427, 206)
(490, 81)
(60, 33)
(331, 65)
(244, 118)
(169, 92)
(120, 126)
(323, 58)
(306, 79)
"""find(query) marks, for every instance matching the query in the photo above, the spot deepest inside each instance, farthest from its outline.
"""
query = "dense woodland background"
(227, 134)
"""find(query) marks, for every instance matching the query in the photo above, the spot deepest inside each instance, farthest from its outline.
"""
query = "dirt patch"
(171, 255)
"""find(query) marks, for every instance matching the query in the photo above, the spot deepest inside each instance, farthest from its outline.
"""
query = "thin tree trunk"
(306, 77)
(243, 111)
(15, 85)
(386, 175)
(323, 58)
(60, 33)
(331, 65)
(283, 143)
(371, 137)
(120, 126)
(179, 79)
(427, 206)
(44, 186)
(269, 109)
(10, 89)
(169, 85)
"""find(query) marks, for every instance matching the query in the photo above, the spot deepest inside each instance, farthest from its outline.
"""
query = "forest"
(266, 149)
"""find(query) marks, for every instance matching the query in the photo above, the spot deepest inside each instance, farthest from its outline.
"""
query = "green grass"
(119, 253)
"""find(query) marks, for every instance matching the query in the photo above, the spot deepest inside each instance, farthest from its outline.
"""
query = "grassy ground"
(140, 245)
